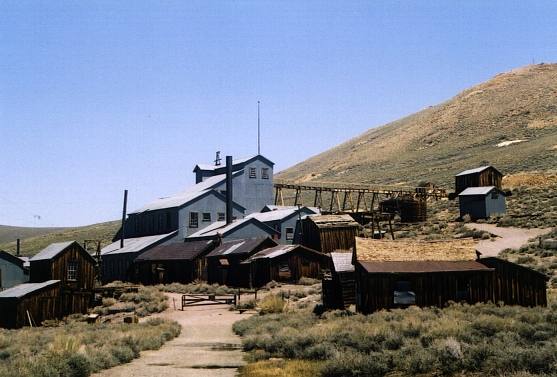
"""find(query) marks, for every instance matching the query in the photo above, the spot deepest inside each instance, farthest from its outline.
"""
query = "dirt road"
(206, 347)
(508, 238)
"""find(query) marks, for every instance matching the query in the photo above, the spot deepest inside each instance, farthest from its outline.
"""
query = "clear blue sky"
(99, 96)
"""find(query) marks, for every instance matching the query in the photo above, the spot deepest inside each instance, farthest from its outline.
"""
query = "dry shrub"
(271, 304)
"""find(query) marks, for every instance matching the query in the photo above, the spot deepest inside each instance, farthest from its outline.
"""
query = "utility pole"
(124, 219)
(258, 131)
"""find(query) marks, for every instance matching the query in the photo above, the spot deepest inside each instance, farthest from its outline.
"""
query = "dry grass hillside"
(519, 106)
(31, 245)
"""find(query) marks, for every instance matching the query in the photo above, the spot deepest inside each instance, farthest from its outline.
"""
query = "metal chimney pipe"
(124, 213)
(229, 190)
(18, 247)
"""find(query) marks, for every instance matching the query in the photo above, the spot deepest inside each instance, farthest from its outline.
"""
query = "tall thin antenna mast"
(258, 131)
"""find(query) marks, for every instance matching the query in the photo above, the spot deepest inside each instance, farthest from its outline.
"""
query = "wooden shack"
(224, 263)
(517, 285)
(68, 262)
(482, 202)
(478, 177)
(178, 262)
(327, 233)
(339, 289)
(285, 263)
(30, 303)
(411, 210)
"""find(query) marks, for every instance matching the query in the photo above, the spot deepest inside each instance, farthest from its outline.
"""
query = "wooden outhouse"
(224, 263)
(285, 263)
(478, 177)
(339, 289)
(30, 303)
(178, 262)
(327, 233)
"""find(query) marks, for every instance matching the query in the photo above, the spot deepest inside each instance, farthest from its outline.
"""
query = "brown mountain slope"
(434, 144)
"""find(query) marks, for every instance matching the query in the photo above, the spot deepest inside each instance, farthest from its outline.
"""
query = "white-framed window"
(289, 233)
(206, 217)
(221, 216)
(72, 271)
(252, 173)
(194, 219)
(264, 173)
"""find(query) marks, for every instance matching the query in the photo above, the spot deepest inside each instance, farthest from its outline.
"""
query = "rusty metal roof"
(176, 251)
(417, 267)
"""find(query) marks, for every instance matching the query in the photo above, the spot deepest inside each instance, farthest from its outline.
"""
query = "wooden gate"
(199, 300)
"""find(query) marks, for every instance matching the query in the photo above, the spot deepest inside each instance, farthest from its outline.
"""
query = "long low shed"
(34, 302)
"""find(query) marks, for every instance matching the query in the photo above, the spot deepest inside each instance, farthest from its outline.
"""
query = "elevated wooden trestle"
(352, 198)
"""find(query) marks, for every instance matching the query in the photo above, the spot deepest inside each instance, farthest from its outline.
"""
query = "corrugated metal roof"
(272, 207)
(135, 245)
(176, 251)
(185, 196)
(477, 191)
(22, 290)
(279, 250)
(342, 262)
(51, 251)
(279, 214)
(220, 227)
(473, 171)
(422, 266)
(244, 246)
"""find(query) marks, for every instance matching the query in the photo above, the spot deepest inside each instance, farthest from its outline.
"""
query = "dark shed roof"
(238, 247)
(11, 258)
(176, 251)
(422, 266)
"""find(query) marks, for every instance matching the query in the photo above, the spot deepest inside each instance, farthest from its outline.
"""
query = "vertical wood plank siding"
(42, 305)
(327, 240)
(488, 177)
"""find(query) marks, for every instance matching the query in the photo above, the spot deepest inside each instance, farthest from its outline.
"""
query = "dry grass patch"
(281, 368)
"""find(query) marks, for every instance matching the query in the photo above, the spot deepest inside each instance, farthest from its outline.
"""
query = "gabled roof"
(280, 250)
(484, 190)
(272, 207)
(176, 251)
(220, 227)
(369, 249)
(23, 290)
(333, 221)
(189, 195)
(137, 244)
(51, 251)
(238, 247)
(279, 214)
(410, 267)
(236, 164)
(342, 262)
(11, 258)
(476, 170)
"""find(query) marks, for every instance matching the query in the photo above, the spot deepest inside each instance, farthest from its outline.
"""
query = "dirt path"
(508, 238)
(206, 347)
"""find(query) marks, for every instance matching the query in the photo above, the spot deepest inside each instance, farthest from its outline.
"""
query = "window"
(264, 173)
(72, 271)
(462, 289)
(284, 271)
(194, 219)
(289, 234)
(403, 295)
(252, 172)
(221, 216)
(206, 217)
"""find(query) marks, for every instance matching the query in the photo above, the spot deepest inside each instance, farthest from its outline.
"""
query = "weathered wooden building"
(224, 263)
(327, 233)
(12, 270)
(116, 261)
(411, 210)
(482, 202)
(339, 289)
(286, 263)
(478, 177)
(515, 284)
(68, 262)
(30, 303)
(178, 262)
